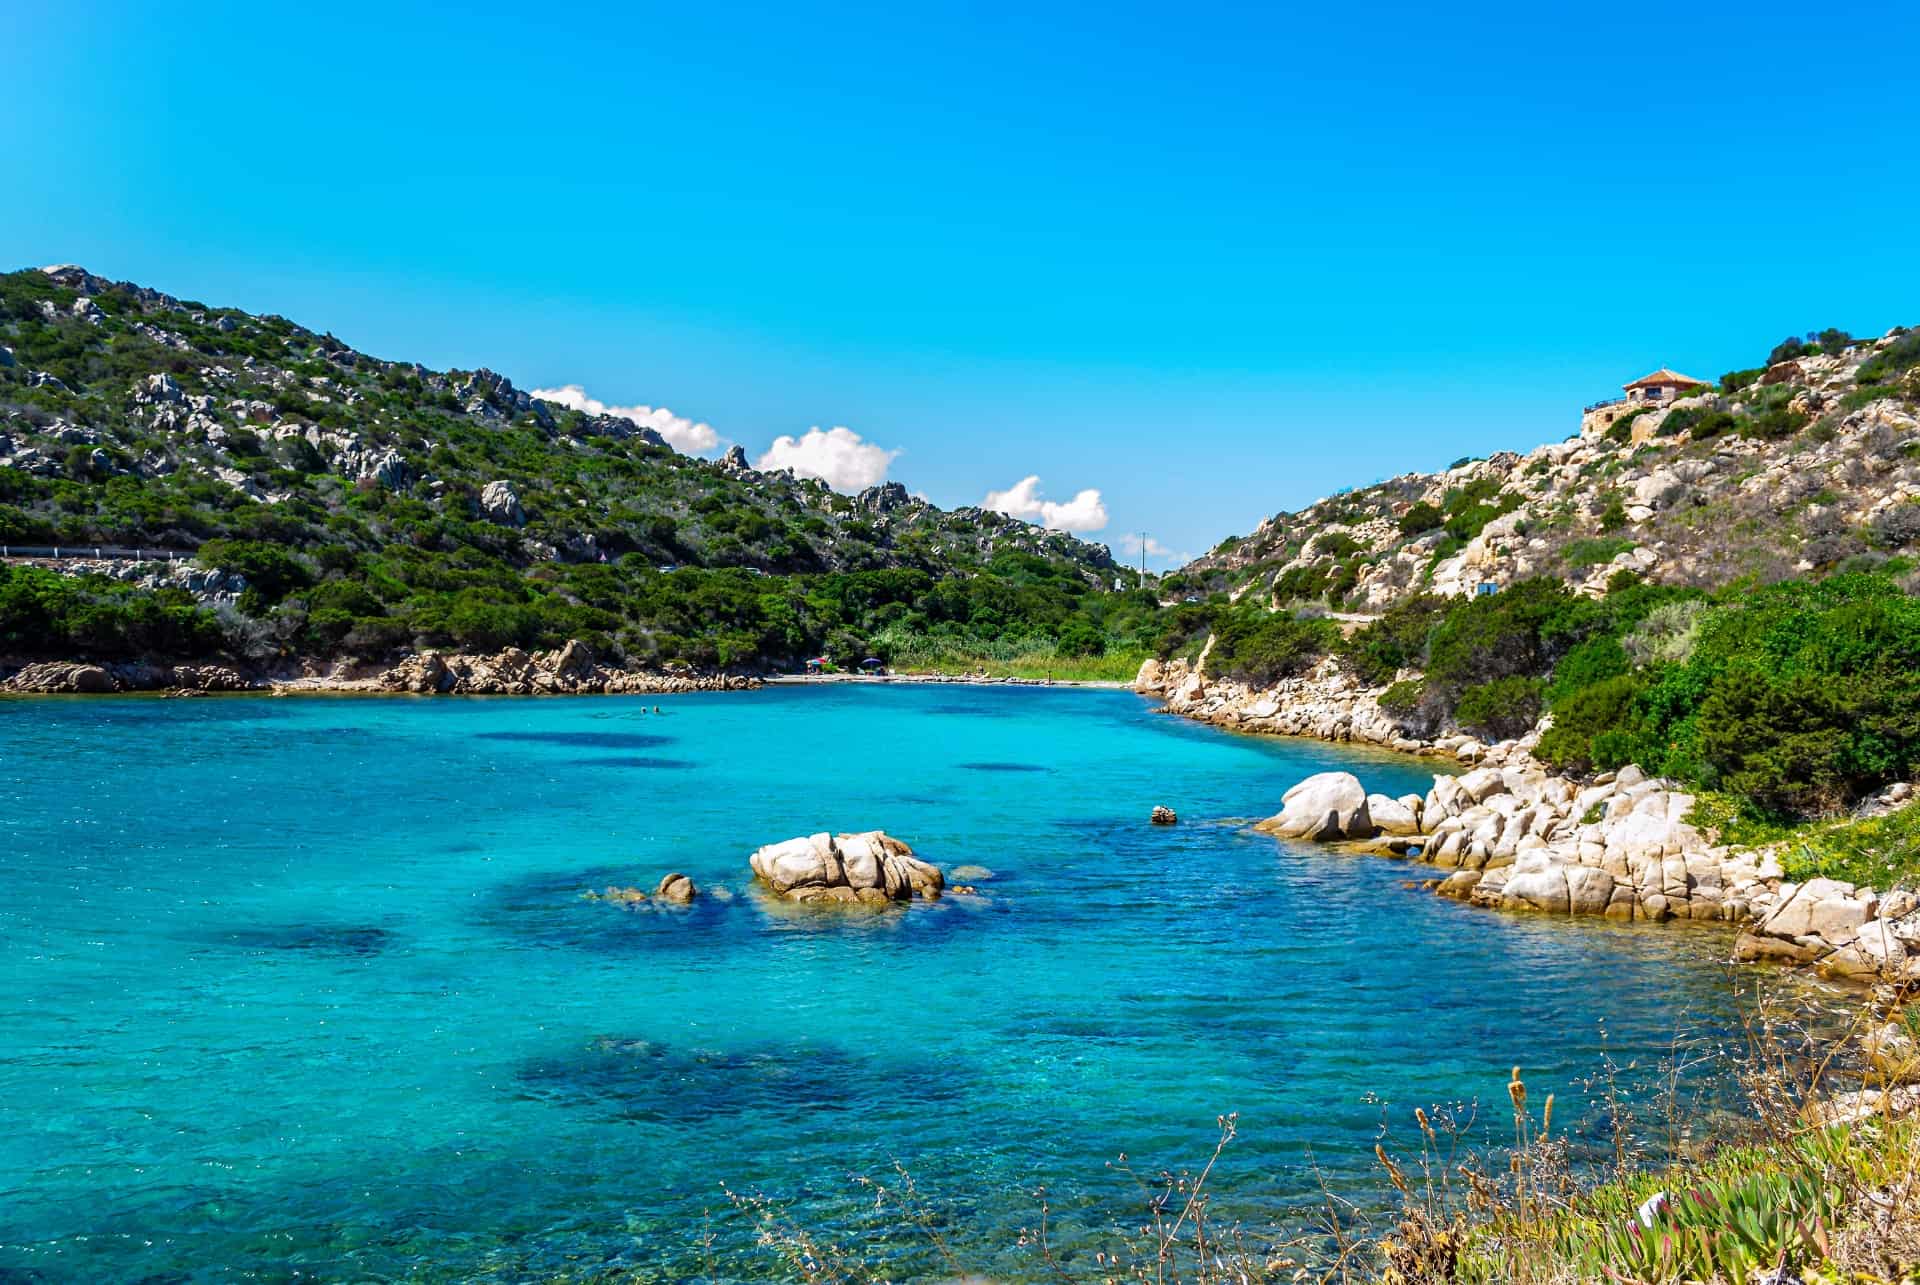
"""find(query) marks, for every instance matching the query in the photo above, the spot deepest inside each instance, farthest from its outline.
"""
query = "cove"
(309, 984)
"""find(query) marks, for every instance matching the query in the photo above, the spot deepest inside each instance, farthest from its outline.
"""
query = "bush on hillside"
(1421, 518)
(1500, 709)
(1902, 355)
(1081, 638)
(1701, 422)
(1261, 648)
(1398, 639)
(1597, 727)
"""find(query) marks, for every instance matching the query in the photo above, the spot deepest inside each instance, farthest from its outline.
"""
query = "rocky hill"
(183, 422)
(336, 504)
(1802, 466)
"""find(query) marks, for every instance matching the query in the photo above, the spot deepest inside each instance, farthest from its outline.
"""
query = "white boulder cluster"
(1624, 847)
(872, 867)
(568, 670)
(1328, 703)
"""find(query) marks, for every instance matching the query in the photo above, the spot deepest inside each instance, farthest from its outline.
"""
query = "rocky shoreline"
(1514, 836)
(959, 680)
(567, 671)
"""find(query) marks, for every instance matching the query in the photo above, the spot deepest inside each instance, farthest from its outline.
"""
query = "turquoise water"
(306, 987)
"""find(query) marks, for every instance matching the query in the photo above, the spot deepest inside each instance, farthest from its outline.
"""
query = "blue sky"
(1209, 261)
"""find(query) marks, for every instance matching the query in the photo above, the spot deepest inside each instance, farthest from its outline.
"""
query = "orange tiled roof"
(1664, 376)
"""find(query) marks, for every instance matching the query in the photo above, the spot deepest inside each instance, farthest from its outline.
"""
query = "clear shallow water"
(306, 988)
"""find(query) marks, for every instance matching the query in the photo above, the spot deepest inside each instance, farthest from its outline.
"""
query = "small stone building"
(1661, 387)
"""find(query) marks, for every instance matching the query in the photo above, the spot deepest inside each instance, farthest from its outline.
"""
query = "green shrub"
(1502, 708)
(1421, 518)
(270, 571)
(1081, 638)
(1902, 355)
(1403, 697)
(1334, 544)
(1261, 648)
(1621, 430)
(1799, 697)
(1581, 554)
(1596, 726)
(1702, 422)
(1397, 640)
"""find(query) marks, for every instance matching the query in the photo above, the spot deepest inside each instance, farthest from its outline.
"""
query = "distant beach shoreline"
(965, 680)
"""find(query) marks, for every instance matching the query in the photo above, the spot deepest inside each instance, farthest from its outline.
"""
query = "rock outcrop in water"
(871, 867)
(676, 888)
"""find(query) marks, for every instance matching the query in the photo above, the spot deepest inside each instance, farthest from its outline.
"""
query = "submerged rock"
(872, 867)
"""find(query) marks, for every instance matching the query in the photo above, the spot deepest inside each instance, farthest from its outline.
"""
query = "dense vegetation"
(1795, 699)
(347, 493)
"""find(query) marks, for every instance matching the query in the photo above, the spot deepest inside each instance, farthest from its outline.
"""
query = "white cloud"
(1084, 512)
(837, 456)
(1130, 545)
(683, 434)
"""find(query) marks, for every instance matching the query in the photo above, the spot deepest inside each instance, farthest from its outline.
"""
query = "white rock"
(1329, 805)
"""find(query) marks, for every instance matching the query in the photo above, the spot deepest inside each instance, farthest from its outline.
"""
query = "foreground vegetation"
(1801, 1183)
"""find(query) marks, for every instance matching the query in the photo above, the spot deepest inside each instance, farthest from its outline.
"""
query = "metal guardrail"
(1602, 405)
(69, 552)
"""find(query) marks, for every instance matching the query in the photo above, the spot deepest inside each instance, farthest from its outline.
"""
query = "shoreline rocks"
(44, 678)
(570, 670)
(871, 867)
(1516, 837)
(1622, 848)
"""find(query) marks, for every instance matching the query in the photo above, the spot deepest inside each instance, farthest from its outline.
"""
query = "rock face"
(871, 867)
(57, 676)
(1326, 703)
(1332, 805)
(500, 503)
(49, 677)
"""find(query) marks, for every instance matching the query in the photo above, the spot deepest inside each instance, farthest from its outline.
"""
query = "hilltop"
(1798, 467)
(341, 504)
(1715, 585)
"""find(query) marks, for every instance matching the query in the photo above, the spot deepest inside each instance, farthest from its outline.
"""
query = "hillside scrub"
(350, 494)
(1800, 697)
(1261, 647)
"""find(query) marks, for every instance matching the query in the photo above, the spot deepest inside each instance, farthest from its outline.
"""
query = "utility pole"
(1143, 557)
